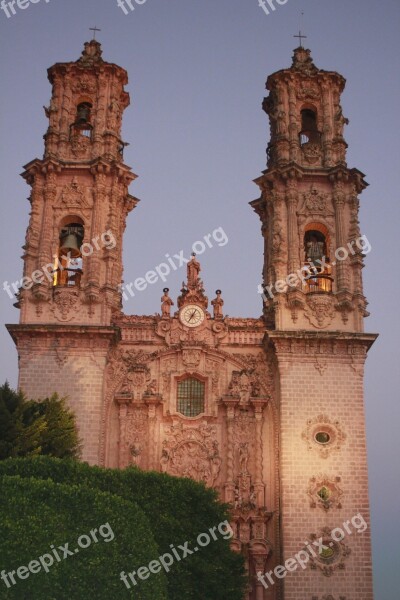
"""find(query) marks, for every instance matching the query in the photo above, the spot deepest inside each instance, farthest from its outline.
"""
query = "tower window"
(309, 127)
(190, 401)
(317, 262)
(68, 268)
(82, 125)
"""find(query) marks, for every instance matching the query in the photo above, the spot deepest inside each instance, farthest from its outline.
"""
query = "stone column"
(259, 404)
(230, 402)
(291, 200)
(123, 402)
(341, 268)
(152, 403)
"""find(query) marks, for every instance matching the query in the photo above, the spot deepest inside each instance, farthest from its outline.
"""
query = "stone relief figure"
(218, 303)
(340, 122)
(166, 304)
(243, 457)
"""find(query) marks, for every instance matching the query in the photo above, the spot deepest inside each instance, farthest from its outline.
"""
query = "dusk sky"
(197, 135)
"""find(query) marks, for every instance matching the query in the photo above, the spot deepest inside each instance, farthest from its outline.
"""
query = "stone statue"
(193, 270)
(218, 303)
(166, 304)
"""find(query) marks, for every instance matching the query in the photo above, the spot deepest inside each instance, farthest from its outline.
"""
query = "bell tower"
(309, 205)
(73, 247)
(314, 309)
(80, 200)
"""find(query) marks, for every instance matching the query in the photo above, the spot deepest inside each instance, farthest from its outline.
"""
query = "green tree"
(30, 428)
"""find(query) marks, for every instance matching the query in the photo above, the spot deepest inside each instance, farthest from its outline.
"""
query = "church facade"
(268, 411)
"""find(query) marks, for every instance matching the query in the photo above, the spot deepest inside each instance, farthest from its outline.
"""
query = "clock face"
(191, 315)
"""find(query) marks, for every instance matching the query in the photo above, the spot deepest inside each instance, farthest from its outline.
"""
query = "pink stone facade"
(277, 426)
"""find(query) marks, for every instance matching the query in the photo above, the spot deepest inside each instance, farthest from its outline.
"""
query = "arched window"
(82, 124)
(68, 267)
(317, 261)
(309, 127)
(190, 398)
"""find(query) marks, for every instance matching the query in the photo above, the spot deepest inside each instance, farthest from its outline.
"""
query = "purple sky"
(197, 139)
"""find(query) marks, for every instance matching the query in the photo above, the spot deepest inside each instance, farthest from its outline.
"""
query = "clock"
(191, 315)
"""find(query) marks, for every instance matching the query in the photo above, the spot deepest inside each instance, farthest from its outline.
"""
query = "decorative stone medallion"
(323, 435)
(333, 554)
(325, 492)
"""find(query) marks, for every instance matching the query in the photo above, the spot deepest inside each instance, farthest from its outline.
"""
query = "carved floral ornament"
(323, 435)
(330, 558)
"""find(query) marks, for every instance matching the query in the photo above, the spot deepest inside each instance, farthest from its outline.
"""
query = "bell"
(83, 114)
(70, 241)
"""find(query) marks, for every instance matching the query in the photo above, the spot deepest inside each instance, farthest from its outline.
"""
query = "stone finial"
(91, 54)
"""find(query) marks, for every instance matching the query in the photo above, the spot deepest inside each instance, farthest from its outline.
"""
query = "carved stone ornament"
(312, 152)
(323, 435)
(319, 310)
(73, 195)
(325, 492)
(191, 358)
(136, 427)
(85, 84)
(80, 145)
(332, 556)
(191, 452)
(308, 89)
(315, 201)
(303, 62)
(64, 303)
(137, 381)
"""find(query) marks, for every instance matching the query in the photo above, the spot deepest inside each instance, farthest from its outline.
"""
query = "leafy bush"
(177, 509)
(39, 516)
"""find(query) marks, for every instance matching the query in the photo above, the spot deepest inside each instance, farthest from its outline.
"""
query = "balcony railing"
(69, 277)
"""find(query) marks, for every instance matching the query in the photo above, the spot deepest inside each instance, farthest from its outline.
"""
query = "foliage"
(38, 516)
(30, 428)
(177, 509)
